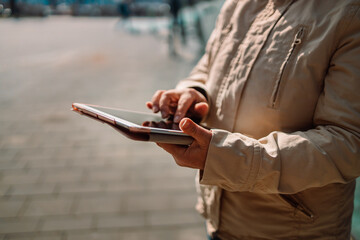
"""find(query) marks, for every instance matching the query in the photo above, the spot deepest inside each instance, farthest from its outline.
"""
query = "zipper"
(296, 42)
(298, 206)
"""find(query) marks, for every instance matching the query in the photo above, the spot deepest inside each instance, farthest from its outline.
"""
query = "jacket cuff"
(198, 86)
(231, 162)
(202, 91)
(190, 83)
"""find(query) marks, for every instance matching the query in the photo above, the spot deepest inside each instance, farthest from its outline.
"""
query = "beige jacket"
(283, 81)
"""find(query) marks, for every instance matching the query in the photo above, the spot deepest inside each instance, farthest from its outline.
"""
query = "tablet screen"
(139, 118)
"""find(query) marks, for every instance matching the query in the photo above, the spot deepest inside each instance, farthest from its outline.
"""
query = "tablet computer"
(136, 125)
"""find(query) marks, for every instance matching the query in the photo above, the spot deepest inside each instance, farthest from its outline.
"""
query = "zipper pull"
(298, 36)
(227, 29)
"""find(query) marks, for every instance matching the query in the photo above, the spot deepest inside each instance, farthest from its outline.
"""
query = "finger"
(153, 124)
(149, 105)
(200, 134)
(185, 102)
(146, 124)
(172, 109)
(167, 100)
(201, 109)
(175, 126)
(155, 100)
(175, 151)
(162, 124)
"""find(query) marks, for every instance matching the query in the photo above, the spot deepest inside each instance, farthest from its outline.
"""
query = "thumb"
(199, 133)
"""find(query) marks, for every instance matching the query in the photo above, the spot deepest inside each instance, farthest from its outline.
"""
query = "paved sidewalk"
(65, 177)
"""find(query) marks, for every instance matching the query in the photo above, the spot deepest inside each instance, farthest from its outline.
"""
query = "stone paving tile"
(171, 184)
(98, 204)
(14, 127)
(106, 174)
(174, 218)
(4, 190)
(32, 189)
(67, 223)
(8, 153)
(171, 171)
(14, 140)
(63, 175)
(193, 233)
(72, 152)
(5, 126)
(130, 161)
(46, 163)
(177, 233)
(81, 188)
(183, 200)
(111, 151)
(100, 235)
(159, 201)
(147, 202)
(34, 236)
(94, 236)
(88, 162)
(10, 208)
(18, 225)
(125, 187)
(12, 164)
(49, 206)
(135, 220)
(125, 162)
(37, 154)
(19, 176)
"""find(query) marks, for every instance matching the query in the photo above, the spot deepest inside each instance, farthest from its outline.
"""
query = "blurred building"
(93, 7)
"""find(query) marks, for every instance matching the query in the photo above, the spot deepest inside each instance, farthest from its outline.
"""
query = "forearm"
(281, 162)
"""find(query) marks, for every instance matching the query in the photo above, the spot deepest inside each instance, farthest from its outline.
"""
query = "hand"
(193, 156)
(180, 103)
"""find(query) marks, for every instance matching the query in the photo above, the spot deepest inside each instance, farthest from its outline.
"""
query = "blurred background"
(63, 176)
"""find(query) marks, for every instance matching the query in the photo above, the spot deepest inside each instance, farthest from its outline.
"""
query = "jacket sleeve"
(199, 74)
(292, 162)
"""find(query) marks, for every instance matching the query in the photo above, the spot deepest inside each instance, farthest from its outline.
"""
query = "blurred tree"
(53, 4)
(14, 8)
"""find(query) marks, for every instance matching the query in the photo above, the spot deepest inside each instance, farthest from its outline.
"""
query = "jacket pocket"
(274, 101)
(300, 210)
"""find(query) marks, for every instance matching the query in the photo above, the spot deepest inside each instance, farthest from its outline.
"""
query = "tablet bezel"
(155, 134)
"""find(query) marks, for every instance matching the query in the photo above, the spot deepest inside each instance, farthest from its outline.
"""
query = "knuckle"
(190, 90)
(163, 103)
(185, 100)
(166, 94)
(158, 92)
(193, 129)
(179, 112)
(163, 108)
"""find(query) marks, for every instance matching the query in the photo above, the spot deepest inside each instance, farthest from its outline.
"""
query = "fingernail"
(164, 114)
(177, 119)
(185, 124)
(155, 108)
